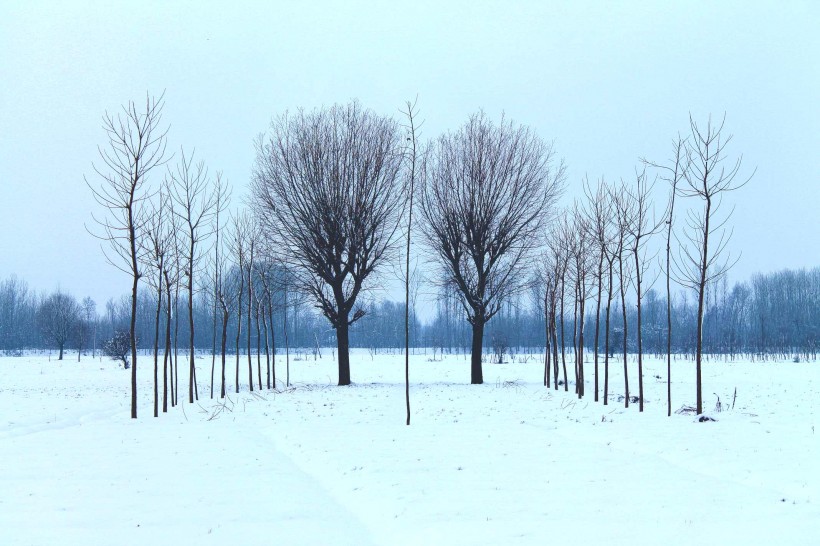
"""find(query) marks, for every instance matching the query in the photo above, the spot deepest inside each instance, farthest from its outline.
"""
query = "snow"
(507, 462)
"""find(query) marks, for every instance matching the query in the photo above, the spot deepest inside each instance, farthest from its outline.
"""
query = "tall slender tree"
(708, 179)
(195, 202)
(136, 145)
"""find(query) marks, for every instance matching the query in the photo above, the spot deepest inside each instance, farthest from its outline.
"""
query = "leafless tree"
(640, 226)
(195, 202)
(89, 308)
(673, 175)
(599, 223)
(487, 194)
(57, 317)
(579, 265)
(327, 188)
(136, 145)
(170, 277)
(241, 228)
(251, 243)
(708, 179)
(222, 198)
(623, 208)
(158, 241)
(411, 113)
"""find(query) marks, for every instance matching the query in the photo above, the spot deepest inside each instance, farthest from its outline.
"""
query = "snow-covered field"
(507, 462)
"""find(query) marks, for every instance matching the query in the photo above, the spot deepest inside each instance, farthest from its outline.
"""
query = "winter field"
(507, 462)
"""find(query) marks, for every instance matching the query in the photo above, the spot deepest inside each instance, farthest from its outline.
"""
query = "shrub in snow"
(119, 347)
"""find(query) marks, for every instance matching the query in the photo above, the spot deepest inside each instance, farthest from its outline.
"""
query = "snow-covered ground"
(507, 462)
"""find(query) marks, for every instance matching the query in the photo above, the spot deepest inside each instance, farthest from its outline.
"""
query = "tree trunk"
(225, 318)
(343, 348)
(476, 374)
(606, 338)
(563, 342)
(192, 376)
(258, 349)
(250, 325)
(547, 339)
(167, 356)
(156, 350)
(267, 345)
(598, 319)
(638, 331)
(133, 330)
(272, 344)
(623, 310)
(701, 291)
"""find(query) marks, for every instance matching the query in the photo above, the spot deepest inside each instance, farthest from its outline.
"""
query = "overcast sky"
(608, 82)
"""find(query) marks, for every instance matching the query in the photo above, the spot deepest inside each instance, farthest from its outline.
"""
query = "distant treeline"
(774, 315)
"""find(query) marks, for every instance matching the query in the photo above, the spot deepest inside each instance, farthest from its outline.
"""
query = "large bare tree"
(327, 187)
(487, 193)
(136, 145)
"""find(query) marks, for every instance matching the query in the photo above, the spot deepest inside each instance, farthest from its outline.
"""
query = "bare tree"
(411, 154)
(251, 239)
(196, 202)
(623, 213)
(136, 145)
(89, 308)
(580, 257)
(708, 179)
(639, 227)
(327, 188)
(240, 232)
(673, 174)
(488, 192)
(158, 241)
(599, 223)
(57, 317)
(222, 198)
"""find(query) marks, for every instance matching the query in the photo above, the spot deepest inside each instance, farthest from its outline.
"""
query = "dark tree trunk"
(606, 338)
(476, 375)
(250, 325)
(258, 349)
(575, 339)
(701, 293)
(581, 298)
(267, 345)
(167, 356)
(343, 348)
(272, 344)
(546, 338)
(638, 332)
(554, 328)
(156, 350)
(133, 330)
(623, 310)
(598, 319)
(563, 342)
(224, 347)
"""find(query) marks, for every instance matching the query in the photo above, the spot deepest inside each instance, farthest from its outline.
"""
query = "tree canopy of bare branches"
(487, 192)
(327, 187)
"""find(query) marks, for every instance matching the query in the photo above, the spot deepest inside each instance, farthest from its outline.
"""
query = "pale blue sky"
(608, 81)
